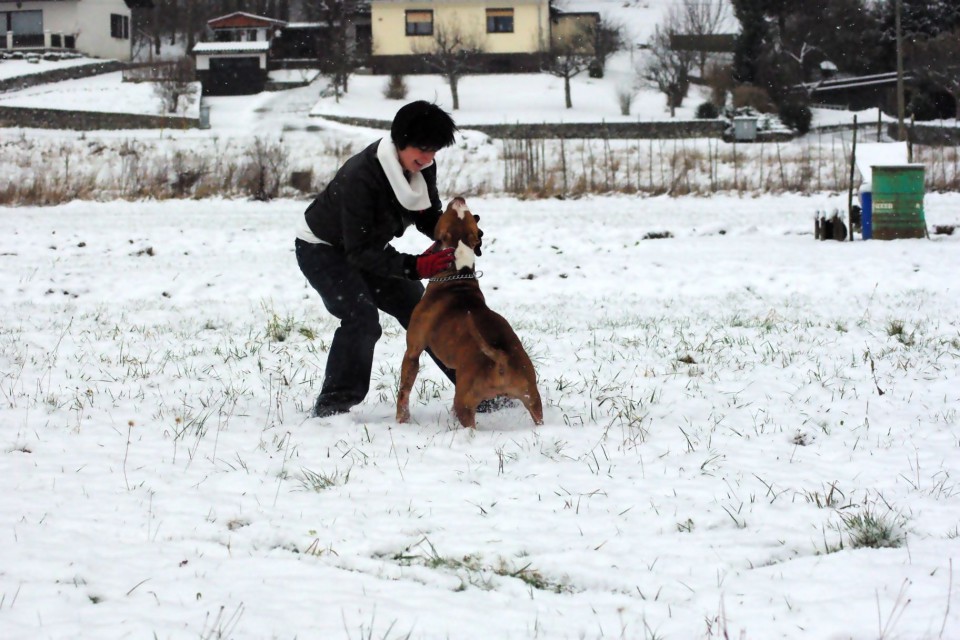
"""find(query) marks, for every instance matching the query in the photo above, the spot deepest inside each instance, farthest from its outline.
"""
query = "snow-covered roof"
(231, 47)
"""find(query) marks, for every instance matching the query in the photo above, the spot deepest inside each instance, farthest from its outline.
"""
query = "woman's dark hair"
(422, 124)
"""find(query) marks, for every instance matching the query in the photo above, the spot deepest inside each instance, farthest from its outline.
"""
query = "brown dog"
(453, 320)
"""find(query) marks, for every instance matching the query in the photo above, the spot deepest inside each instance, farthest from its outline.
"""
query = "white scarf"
(412, 194)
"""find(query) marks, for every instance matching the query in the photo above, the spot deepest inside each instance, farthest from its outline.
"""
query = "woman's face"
(413, 159)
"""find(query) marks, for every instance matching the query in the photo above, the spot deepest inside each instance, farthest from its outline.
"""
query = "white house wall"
(88, 20)
(93, 29)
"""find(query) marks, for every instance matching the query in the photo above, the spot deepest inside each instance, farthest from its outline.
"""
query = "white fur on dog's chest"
(463, 256)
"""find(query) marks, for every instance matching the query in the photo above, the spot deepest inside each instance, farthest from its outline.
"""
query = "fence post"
(853, 165)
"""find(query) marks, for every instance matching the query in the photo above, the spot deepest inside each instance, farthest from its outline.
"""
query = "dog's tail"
(498, 356)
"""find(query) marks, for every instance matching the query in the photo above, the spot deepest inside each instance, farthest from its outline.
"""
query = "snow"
(871, 154)
(219, 47)
(13, 68)
(106, 93)
(716, 403)
(721, 404)
(293, 75)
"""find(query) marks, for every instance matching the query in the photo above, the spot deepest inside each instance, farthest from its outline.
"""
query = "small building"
(856, 93)
(242, 48)
(236, 59)
(52, 25)
(232, 68)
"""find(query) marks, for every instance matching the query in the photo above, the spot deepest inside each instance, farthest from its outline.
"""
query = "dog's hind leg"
(408, 375)
(531, 400)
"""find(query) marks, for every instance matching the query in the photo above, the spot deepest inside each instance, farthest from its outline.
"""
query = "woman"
(343, 245)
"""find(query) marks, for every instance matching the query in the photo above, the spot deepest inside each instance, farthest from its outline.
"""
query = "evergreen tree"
(920, 20)
(752, 39)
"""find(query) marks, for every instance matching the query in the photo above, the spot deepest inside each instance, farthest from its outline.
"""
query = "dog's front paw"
(403, 414)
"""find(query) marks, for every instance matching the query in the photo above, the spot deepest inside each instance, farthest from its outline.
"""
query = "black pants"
(354, 297)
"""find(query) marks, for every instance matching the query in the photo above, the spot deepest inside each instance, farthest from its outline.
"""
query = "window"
(119, 26)
(22, 22)
(419, 23)
(499, 20)
(27, 27)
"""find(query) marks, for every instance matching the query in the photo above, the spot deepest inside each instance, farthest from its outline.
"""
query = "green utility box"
(898, 202)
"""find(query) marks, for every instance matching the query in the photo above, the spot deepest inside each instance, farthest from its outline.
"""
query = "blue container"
(866, 214)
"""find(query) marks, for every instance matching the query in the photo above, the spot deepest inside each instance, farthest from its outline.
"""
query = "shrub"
(719, 78)
(872, 529)
(265, 170)
(747, 95)
(707, 111)
(922, 106)
(796, 115)
(625, 99)
(174, 84)
(396, 88)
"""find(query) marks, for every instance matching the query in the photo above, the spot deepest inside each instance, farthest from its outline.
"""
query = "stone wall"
(586, 130)
(58, 75)
(88, 120)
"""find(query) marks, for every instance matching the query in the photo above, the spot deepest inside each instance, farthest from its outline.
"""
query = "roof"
(719, 42)
(856, 82)
(231, 47)
(241, 19)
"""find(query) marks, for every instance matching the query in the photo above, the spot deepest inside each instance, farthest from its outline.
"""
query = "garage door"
(234, 76)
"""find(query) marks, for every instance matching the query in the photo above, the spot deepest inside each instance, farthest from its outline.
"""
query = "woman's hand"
(433, 261)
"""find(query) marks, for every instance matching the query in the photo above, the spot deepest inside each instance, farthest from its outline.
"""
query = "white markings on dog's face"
(463, 256)
(461, 208)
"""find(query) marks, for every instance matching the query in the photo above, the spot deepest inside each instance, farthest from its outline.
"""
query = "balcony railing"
(33, 41)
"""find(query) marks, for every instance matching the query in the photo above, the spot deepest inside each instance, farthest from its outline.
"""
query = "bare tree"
(571, 57)
(174, 85)
(610, 38)
(667, 69)
(336, 54)
(190, 27)
(701, 18)
(155, 26)
(452, 52)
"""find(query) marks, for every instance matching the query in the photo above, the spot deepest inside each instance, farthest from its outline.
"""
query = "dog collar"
(459, 276)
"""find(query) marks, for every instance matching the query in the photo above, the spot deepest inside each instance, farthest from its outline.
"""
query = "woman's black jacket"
(359, 214)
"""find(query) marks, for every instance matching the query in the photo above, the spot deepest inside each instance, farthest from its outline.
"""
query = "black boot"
(491, 405)
(322, 410)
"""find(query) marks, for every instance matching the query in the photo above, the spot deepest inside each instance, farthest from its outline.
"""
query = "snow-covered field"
(727, 411)
(748, 434)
